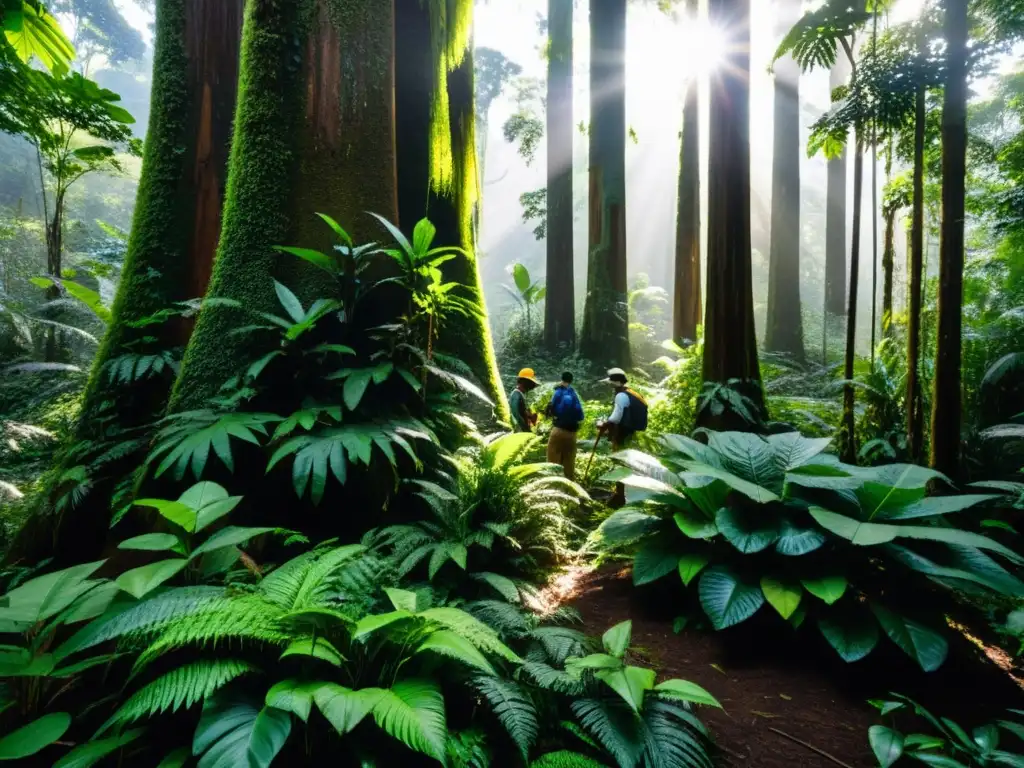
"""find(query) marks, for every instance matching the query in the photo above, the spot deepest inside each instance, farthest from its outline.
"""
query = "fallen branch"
(821, 752)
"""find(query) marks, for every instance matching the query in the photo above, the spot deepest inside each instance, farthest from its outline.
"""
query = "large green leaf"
(89, 754)
(691, 564)
(626, 525)
(748, 456)
(314, 648)
(412, 711)
(851, 633)
(871, 534)
(792, 450)
(45, 596)
(229, 537)
(345, 708)
(34, 737)
(726, 599)
(827, 588)
(656, 558)
(177, 512)
(708, 493)
(32, 32)
(139, 582)
(751, 490)
(355, 387)
(154, 542)
(233, 732)
(933, 506)
(645, 464)
(795, 541)
(886, 743)
(444, 642)
(695, 525)
(631, 683)
(521, 276)
(929, 649)
(748, 529)
(783, 595)
(293, 696)
(616, 640)
(687, 691)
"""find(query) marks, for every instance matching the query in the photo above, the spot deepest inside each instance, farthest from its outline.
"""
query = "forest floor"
(778, 692)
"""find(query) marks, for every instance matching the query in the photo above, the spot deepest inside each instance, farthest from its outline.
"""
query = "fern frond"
(675, 738)
(615, 727)
(507, 619)
(559, 643)
(551, 679)
(473, 630)
(184, 686)
(513, 708)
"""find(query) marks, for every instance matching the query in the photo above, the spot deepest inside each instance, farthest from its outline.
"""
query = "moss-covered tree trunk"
(915, 405)
(686, 308)
(178, 210)
(604, 337)
(436, 160)
(784, 329)
(170, 254)
(848, 431)
(730, 346)
(946, 399)
(560, 302)
(835, 222)
(313, 132)
(888, 266)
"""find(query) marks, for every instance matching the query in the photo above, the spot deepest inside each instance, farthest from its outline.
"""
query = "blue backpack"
(568, 409)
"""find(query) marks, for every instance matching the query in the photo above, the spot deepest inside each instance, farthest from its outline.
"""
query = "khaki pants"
(562, 450)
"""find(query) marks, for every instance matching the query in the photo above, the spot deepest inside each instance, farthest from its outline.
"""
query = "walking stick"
(593, 453)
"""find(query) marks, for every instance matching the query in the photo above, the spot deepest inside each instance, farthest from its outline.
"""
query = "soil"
(769, 682)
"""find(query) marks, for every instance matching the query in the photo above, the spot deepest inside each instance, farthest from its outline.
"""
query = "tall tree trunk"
(436, 170)
(170, 250)
(730, 346)
(559, 307)
(605, 334)
(313, 132)
(946, 400)
(915, 406)
(888, 265)
(874, 207)
(848, 436)
(835, 223)
(686, 315)
(784, 330)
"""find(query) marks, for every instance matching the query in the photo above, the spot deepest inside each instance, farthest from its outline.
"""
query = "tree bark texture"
(730, 346)
(888, 265)
(915, 406)
(686, 315)
(313, 133)
(848, 433)
(946, 399)
(835, 223)
(784, 329)
(422, 193)
(559, 307)
(605, 334)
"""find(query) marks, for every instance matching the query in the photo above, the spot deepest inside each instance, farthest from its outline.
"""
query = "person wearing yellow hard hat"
(523, 419)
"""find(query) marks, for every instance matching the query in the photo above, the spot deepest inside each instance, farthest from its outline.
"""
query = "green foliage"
(34, 34)
(948, 744)
(752, 521)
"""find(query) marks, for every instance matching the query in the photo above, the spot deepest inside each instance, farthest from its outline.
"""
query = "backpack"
(569, 411)
(635, 417)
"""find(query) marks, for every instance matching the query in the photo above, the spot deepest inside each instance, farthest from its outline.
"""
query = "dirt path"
(763, 684)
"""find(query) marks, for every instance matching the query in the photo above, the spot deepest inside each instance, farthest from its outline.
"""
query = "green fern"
(513, 708)
(132, 367)
(412, 711)
(473, 630)
(187, 438)
(614, 726)
(549, 678)
(565, 759)
(184, 686)
(674, 737)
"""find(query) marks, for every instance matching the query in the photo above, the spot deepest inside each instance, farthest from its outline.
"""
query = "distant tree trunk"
(835, 223)
(848, 436)
(784, 330)
(436, 167)
(888, 265)
(730, 346)
(946, 400)
(915, 406)
(605, 334)
(313, 132)
(559, 307)
(686, 315)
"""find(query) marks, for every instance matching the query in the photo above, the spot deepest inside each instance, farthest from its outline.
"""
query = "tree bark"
(447, 196)
(835, 223)
(313, 132)
(848, 433)
(686, 315)
(915, 406)
(946, 399)
(888, 265)
(784, 330)
(605, 334)
(730, 346)
(559, 307)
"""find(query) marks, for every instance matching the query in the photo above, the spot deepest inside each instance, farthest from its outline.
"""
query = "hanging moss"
(313, 133)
